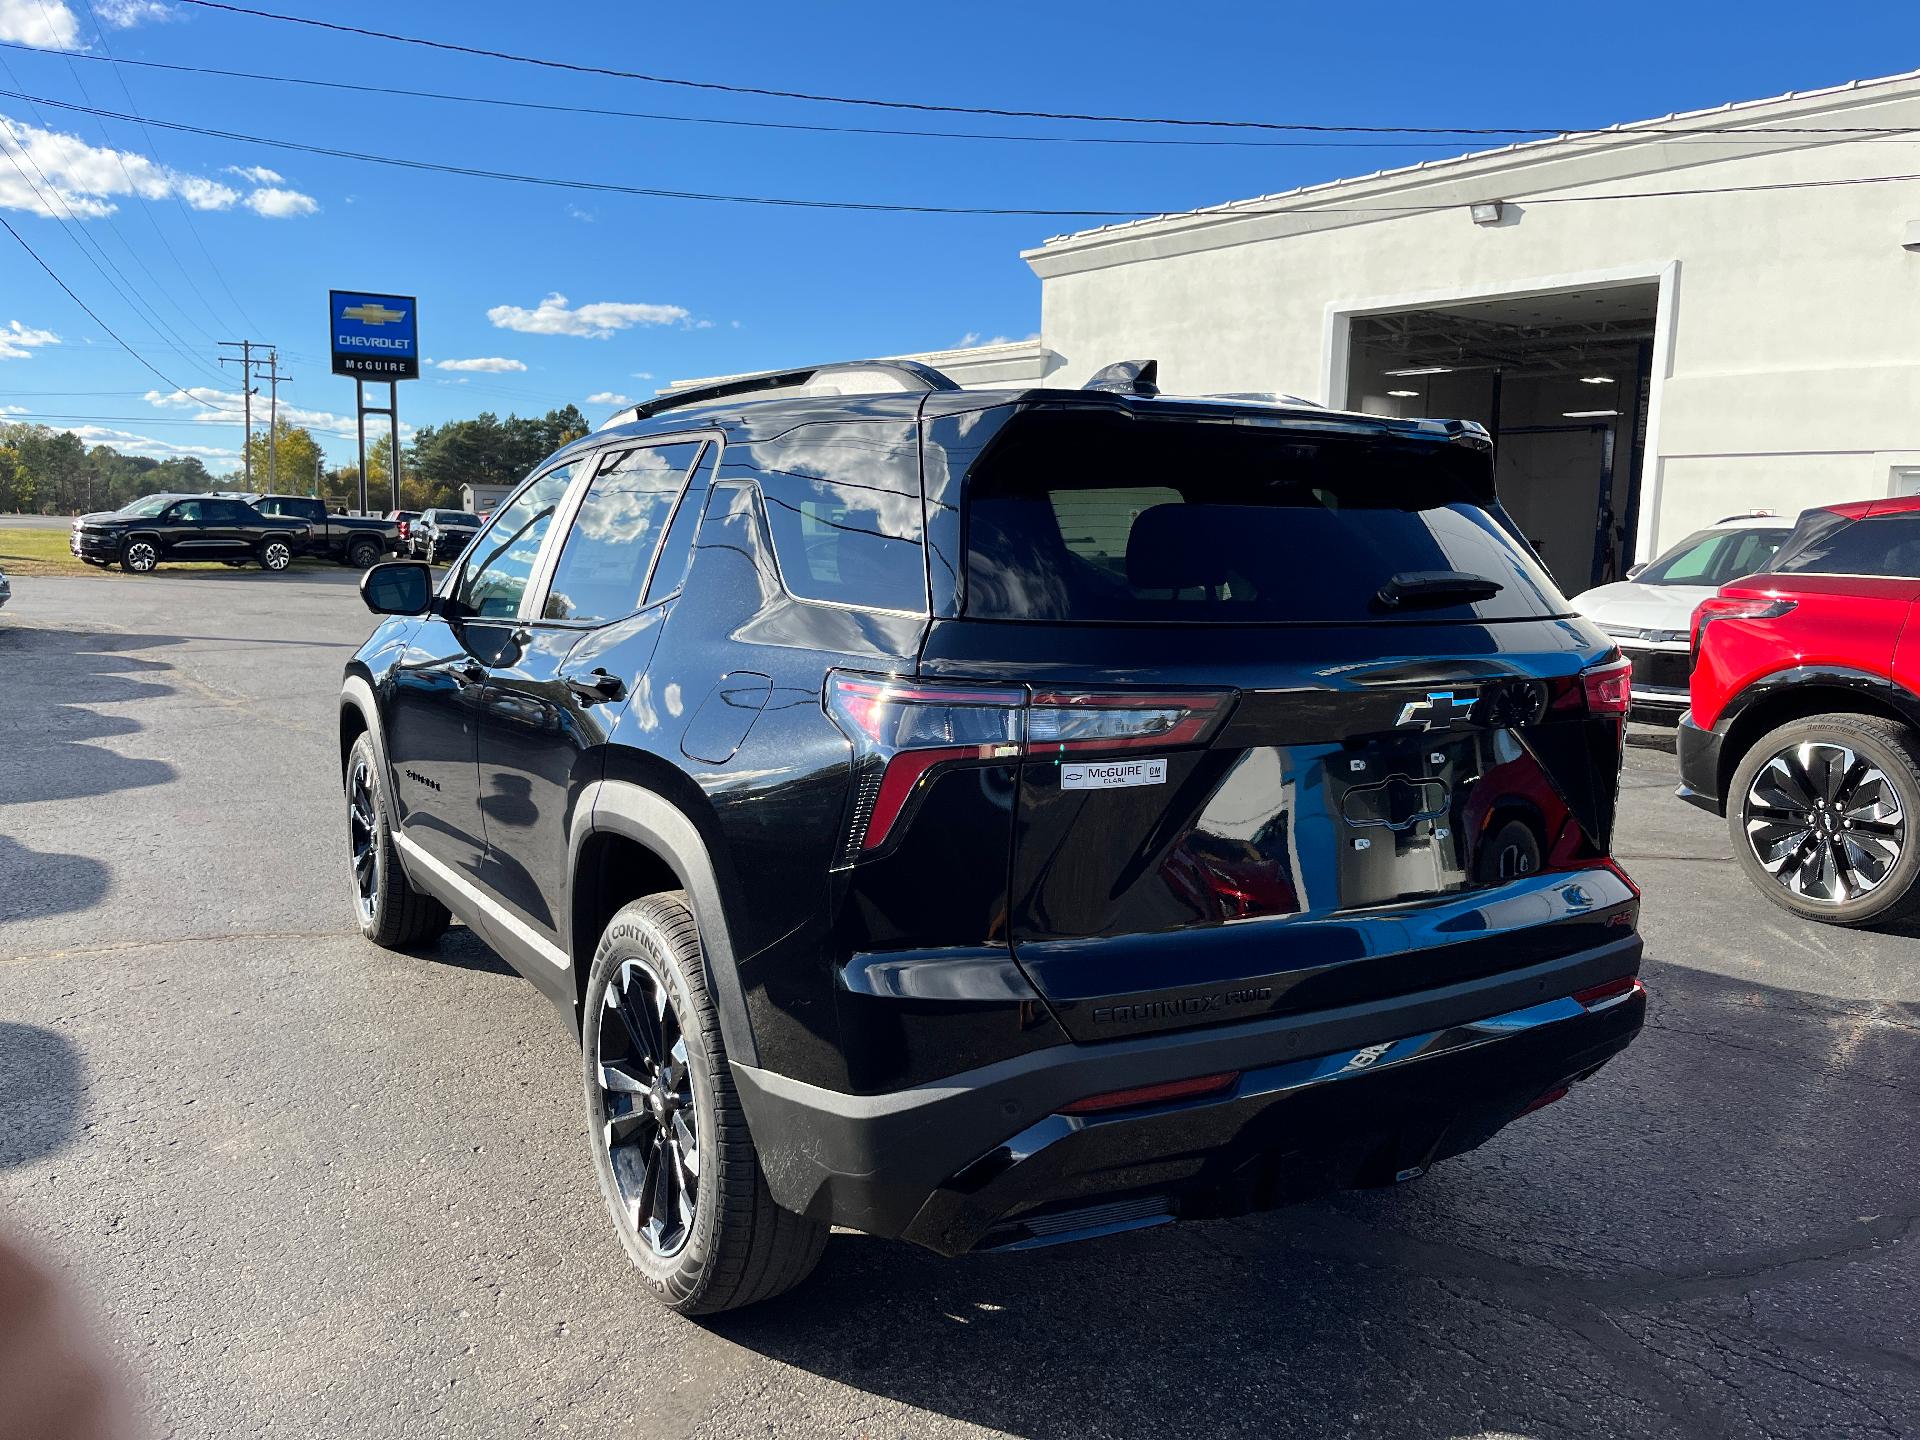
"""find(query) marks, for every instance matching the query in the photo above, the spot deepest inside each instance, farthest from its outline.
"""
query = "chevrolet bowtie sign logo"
(375, 337)
(1438, 711)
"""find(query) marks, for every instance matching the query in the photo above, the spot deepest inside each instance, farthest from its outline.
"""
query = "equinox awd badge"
(1439, 710)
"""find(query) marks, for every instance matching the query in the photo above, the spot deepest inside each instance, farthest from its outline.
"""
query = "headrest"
(1177, 547)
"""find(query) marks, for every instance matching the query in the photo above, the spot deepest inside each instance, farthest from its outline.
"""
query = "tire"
(363, 554)
(1825, 818)
(737, 1248)
(391, 912)
(275, 555)
(140, 557)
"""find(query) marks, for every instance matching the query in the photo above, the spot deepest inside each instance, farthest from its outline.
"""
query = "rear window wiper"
(1412, 588)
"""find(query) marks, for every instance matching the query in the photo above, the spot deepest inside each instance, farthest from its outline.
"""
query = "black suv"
(441, 534)
(995, 818)
(186, 527)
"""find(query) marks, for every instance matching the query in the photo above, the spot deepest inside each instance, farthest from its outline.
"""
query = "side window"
(188, 510)
(500, 564)
(1879, 545)
(677, 549)
(270, 507)
(228, 512)
(615, 533)
(843, 505)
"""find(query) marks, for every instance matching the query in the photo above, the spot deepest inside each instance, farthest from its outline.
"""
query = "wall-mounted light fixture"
(1911, 241)
(1487, 212)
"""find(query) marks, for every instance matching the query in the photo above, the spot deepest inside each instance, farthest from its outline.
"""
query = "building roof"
(1484, 168)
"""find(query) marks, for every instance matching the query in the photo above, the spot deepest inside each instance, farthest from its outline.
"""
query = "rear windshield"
(456, 517)
(1083, 517)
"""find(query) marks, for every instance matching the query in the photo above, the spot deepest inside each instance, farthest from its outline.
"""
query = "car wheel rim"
(141, 557)
(276, 557)
(363, 837)
(1825, 822)
(651, 1134)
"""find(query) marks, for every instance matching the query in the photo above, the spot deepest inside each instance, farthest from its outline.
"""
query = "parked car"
(186, 527)
(997, 818)
(441, 534)
(1804, 730)
(6, 588)
(1648, 613)
(403, 525)
(352, 540)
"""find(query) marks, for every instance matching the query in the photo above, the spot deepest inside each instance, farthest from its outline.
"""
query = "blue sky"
(542, 296)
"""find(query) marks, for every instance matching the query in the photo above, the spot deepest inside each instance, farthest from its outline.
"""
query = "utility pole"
(316, 474)
(246, 363)
(274, 377)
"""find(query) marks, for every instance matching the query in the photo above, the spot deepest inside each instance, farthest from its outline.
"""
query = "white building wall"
(1787, 372)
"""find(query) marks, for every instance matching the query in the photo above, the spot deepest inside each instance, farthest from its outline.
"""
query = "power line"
(186, 211)
(925, 107)
(1307, 205)
(147, 364)
(552, 107)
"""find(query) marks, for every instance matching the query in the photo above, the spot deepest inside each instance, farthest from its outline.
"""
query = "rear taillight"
(904, 730)
(1605, 690)
(1734, 607)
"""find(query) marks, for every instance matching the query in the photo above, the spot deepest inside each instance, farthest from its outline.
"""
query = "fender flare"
(620, 807)
(356, 693)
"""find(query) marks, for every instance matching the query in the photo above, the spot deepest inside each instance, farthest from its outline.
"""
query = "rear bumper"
(1699, 751)
(1362, 1095)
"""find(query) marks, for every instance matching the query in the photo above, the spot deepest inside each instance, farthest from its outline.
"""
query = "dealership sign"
(375, 337)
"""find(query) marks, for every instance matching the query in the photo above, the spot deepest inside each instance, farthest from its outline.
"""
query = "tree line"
(53, 472)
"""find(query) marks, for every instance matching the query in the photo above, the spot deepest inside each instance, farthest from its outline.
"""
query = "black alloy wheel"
(275, 555)
(140, 557)
(363, 838)
(652, 1133)
(390, 912)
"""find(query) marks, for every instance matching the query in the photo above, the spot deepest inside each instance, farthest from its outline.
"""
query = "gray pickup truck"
(346, 538)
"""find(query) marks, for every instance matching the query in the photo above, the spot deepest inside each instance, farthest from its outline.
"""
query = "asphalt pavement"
(312, 1188)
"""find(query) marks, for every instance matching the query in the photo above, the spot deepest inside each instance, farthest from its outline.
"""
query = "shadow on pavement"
(1708, 1194)
(46, 712)
(38, 883)
(41, 1089)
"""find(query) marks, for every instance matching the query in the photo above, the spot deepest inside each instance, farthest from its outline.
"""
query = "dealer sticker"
(1112, 774)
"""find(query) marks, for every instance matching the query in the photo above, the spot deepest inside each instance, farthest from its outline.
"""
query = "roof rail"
(905, 376)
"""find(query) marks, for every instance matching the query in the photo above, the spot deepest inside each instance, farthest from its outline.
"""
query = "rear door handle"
(597, 687)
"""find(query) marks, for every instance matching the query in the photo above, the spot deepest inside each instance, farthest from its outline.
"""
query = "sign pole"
(360, 407)
(393, 421)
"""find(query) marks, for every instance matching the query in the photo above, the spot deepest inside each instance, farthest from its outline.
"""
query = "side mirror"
(398, 587)
(1633, 571)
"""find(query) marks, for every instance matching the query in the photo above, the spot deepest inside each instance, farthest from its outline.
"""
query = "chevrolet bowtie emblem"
(1439, 710)
(373, 314)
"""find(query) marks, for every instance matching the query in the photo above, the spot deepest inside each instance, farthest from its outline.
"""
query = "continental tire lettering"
(1183, 1008)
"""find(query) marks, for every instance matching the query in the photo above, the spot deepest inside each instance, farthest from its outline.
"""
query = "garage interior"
(1560, 380)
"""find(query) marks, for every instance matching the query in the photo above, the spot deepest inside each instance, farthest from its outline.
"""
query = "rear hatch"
(1295, 721)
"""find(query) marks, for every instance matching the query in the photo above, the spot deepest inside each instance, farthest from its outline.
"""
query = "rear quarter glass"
(1082, 517)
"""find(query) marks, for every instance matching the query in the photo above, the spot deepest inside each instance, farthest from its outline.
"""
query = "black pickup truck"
(187, 527)
(348, 539)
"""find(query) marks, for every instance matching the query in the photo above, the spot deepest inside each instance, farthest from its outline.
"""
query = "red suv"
(1805, 726)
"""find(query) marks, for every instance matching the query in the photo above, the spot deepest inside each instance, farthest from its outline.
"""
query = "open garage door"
(1561, 380)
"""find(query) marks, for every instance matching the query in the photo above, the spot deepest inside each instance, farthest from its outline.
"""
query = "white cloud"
(973, 338)
(585, 217)
(39, 22)
(223, 407)
(609, 397)
(643, 374)
(278, 204)
(13, 410)
(17, 342)
(597, 321)
(125, 14)
(87, 176)
(129, 443)
(258, 174)
(492, 364)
